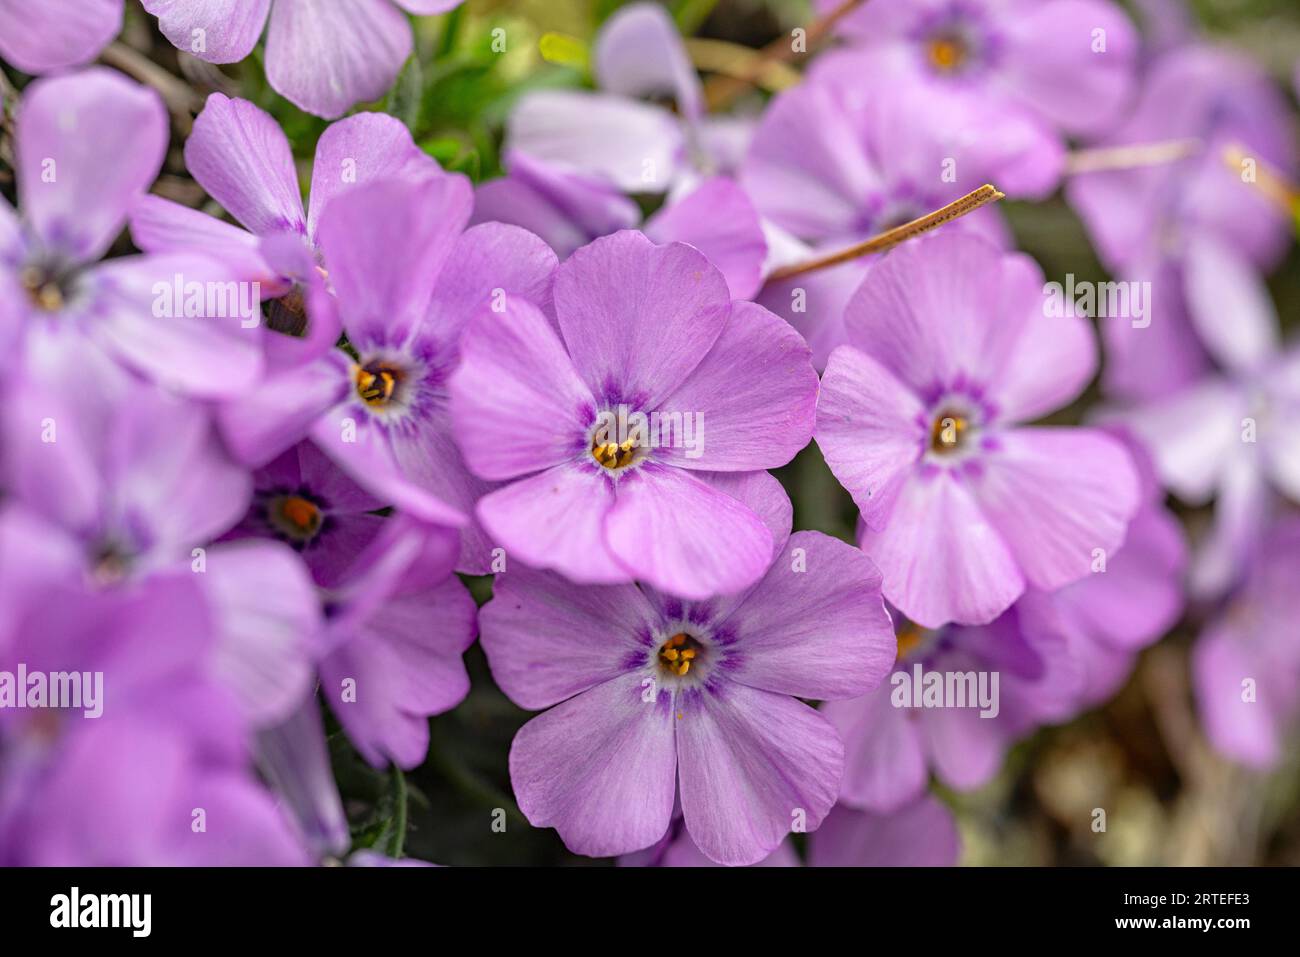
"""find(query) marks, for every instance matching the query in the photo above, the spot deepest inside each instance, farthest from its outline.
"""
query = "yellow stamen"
(41, 289)
(909, 636)
(301, 513)
(613, 455)
(678, 652)
(377, 384)
(946, 432)
(947, 53)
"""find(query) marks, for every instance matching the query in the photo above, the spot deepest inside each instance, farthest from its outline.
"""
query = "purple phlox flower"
(940, 710)
(162, 775)
(611, 421)
(614, 134)
(570, 209)
(406, 280)
(1219, 99)
(1132, 598)
(239, 154)
(53, 292)
(949, 350)
(1177, 226)
(920, 834)
(1246, 663)
(832, 164)
(1070, 63)
(397, 623)
(689, 698)
(1229, 436)
(322, 57)
(302, 499)
(397, 620)
(124, 484)
(44, 36)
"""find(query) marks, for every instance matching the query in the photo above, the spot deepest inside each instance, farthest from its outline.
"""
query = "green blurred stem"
(397, 839)
(450, 33)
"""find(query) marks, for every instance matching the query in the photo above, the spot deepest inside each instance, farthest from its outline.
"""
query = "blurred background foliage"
(1169, 800)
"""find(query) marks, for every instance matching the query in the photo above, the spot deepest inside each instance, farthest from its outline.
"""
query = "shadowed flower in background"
(830, 165)
(1070, 63)
(1133, 600)
(1195, 228)
(1246, 663)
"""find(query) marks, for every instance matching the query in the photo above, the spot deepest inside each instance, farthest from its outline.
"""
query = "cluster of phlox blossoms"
(309, 441)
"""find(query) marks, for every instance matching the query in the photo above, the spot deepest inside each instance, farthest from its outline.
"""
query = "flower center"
(44, 288)
(378, 382)
(110, 562)
(678, 653)
(295, 516)
(948, 432)
(288, 314)
(622, 437)
(614, 455)
(947, 52)
(909, 638)
(43, 727)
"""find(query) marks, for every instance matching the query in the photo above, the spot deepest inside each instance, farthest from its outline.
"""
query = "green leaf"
(397, 833)
(564, 50)
(454, 155)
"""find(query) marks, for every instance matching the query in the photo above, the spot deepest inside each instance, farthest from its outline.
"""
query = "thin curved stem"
(981, 197)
